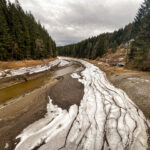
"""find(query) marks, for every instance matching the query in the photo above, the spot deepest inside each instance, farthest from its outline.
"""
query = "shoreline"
(9, 81)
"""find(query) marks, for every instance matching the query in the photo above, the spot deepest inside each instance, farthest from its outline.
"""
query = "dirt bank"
(17, 114)
(8, 81)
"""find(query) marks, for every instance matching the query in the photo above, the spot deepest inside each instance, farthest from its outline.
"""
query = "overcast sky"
(70, 21)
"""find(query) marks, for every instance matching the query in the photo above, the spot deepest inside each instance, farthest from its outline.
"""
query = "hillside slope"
(135, 36)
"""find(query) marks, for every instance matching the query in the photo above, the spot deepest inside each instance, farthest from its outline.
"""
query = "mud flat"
(67, 92)
(102, 117)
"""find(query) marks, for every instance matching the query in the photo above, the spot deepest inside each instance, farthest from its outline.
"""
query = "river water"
(23, 87)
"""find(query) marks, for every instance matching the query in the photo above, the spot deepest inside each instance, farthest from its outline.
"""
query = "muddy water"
(21, 88)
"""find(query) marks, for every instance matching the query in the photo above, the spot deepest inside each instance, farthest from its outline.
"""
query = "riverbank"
(135, 83)
(23, 63)
(18, 113)
(15, 85)
(9, 75)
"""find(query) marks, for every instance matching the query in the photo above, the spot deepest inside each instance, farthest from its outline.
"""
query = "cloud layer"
(70, 21)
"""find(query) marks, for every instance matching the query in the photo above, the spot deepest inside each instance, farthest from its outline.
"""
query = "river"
(15, 90)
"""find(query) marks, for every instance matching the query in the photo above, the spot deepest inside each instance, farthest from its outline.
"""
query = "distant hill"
(139, 30)
(21, 37)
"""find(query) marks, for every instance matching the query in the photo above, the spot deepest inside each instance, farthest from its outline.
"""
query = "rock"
(121, 59)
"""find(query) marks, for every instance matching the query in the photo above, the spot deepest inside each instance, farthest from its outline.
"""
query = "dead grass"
(23, 63)
(109, 58)
(119, 53)
(112, 70)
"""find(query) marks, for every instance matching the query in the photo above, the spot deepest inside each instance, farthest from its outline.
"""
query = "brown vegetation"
(23, 63)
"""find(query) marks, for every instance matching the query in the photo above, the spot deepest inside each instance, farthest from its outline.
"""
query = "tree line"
(97, 46)
(139, 30)
(139, 56)
(21, 37)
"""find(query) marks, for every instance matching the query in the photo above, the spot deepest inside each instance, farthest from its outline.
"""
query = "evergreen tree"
(21, 37)
(140, 51)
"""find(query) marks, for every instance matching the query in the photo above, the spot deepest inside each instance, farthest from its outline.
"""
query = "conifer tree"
(20, 33)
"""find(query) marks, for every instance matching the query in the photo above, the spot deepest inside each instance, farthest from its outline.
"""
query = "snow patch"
(6, 145)
(30, 70)
(100, 63)
(121, 59)
(63, 63)
(106, 119)
(75, 75)
(139, 79)
(56, 123)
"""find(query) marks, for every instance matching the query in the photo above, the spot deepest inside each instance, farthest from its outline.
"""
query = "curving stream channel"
(23, 87)
(104, 118)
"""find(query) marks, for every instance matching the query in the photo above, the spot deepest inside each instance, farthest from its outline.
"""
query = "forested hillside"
(21, 37)
(97, 46)
(140, 51)
(139, 30)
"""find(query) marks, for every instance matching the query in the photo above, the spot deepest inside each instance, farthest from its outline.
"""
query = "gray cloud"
(70, 21)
